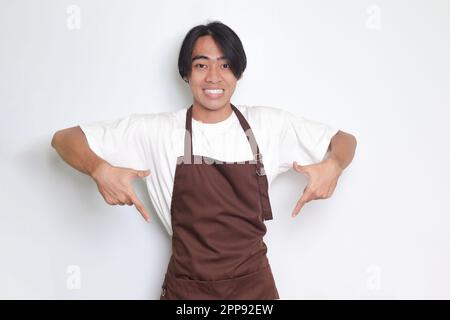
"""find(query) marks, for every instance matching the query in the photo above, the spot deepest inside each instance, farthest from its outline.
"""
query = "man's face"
(210, 70)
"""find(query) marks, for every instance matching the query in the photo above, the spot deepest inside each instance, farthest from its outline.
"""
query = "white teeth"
(214, 91)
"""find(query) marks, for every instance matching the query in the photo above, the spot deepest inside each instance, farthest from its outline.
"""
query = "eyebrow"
(207, 58)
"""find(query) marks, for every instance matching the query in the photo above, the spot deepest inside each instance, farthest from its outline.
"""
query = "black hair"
(225, 38)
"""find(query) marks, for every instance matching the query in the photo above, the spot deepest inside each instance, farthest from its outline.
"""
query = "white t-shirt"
(155, 140)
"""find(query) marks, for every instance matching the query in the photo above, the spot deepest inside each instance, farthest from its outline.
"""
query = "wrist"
(96, 167)
(336, 163)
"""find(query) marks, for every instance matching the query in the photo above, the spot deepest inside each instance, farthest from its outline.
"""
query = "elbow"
(59, 135)
(354, 140)
(55, 139)
(351, 139)
(349, 135)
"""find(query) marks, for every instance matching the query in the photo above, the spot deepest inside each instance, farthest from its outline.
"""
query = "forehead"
(206, 46)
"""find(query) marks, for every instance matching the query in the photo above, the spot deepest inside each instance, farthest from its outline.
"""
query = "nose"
(213, 74)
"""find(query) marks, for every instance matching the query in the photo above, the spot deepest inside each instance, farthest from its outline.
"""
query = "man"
(208, 168)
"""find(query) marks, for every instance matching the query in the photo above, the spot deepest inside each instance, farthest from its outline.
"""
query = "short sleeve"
(122, 142)
(303, 140)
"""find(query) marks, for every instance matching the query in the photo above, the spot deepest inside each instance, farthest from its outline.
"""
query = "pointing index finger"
(140, 207)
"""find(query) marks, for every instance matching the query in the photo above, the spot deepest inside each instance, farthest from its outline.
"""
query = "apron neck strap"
(244, 124)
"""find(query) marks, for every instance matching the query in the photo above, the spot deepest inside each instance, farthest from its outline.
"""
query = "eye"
(227, 64)
(199, 64)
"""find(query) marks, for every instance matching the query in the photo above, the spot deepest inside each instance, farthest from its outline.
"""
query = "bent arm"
(342, 148)
(72, 146)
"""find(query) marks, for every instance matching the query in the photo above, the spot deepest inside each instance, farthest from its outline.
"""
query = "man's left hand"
(323, 177)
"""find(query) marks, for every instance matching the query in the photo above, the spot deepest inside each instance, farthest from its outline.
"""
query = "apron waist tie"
(264, 196)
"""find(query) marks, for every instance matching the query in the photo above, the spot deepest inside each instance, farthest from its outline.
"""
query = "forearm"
(342, 148)
(72, 146)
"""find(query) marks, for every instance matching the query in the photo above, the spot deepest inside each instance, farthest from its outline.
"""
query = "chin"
(213, 105)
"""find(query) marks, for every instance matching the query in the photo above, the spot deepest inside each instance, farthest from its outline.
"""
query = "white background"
(379, 70)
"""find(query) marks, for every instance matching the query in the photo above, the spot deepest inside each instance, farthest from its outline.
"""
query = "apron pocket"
(259, 285)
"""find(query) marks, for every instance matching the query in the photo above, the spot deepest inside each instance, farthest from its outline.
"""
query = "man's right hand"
(115, 185)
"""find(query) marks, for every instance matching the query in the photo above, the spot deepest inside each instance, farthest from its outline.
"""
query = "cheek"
(231, 83)
(230, 90)
(196, 83)
(196, 76)
(230, 78)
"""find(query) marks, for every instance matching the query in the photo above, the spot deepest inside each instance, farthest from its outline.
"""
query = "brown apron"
(217, 212)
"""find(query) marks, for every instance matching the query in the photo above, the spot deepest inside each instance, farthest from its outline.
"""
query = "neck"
(206, 115)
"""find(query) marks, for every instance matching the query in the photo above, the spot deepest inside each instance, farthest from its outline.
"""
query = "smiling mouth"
(214, 93)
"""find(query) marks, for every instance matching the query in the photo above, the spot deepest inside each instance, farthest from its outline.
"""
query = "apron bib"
(217, 213)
